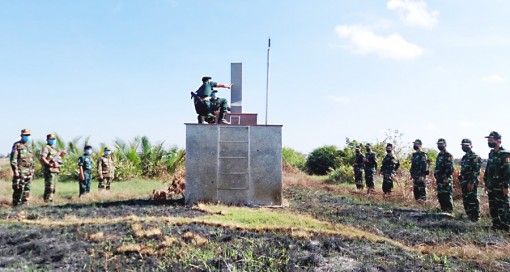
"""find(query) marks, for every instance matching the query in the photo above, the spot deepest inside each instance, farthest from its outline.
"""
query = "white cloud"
(430, 127)
(440, 69)
(414, 13)
(494, 78)
(363, 41)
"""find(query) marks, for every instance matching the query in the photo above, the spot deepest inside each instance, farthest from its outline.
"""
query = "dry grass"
(139, 232)
(194, 239)
(136, 248)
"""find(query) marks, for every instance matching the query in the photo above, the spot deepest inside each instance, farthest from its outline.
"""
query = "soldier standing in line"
(50, 159)
(358, 169)
(85, 163)
(389, 167)
(444, 177)
(22, 165)
(469, 179)
(370, 168)
(497, 179)
(419, 171)
(105, 170)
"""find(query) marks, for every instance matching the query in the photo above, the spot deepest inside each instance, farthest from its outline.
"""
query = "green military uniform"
(22, 164)
(208, 103)
(419, 171)
(469, 174)
(50, 172)
(358, 169)
(370, 168)
(389, 167)
(497, 178)
(105, 170)
(444, 178)
(86, 163)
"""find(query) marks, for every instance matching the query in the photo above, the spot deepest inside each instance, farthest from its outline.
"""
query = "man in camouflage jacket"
(370, 167)
(497, 179)
(469, 179)
(389, 167)
(444, 177)
(22, 165)
(51, 161)
(419, 171)
(105, 169)
(358, 168)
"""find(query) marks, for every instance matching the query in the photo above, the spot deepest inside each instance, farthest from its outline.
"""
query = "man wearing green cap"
(205, 92)
(50, 159)
(444, 177)
(497, 181)
(22, 165)
(419, 171)
(359, 163)
(370, 168)
(469, 179)
(105, 169)
(390, 165)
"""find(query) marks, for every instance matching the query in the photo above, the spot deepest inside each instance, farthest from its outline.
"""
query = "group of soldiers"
(496, 177)
(23, 162)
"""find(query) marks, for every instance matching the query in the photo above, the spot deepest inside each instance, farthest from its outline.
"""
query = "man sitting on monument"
(209, 102)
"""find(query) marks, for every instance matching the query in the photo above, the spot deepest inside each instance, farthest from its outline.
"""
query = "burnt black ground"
(31, 247)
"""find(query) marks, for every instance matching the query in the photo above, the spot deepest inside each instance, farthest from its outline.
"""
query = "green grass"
(68, 191)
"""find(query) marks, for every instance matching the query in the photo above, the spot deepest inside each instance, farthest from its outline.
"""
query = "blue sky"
(339, 68)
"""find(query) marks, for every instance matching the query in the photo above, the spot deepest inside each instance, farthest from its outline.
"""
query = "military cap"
(417, 141)
(357, 148)
(206, 78)
(88, 147)
(368, 145)
(466, 141)
(25, 131)
(389, 145)
(441, 141)
(494, 135)
(50, 136)
(107, 148)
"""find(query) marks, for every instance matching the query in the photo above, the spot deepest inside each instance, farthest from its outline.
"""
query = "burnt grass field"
(136, 235)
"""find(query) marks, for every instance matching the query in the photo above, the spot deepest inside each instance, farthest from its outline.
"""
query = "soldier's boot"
(24, 199)
(221, 119)
(201, 119)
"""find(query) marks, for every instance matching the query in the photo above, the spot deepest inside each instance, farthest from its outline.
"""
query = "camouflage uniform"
(358, 170)
(497, 178)
(105, 169)
(50, 172)
(390, 165)
(22, 164)
(469, 174)
(419, 171)
(444, 178)
(205, 106)
(370, 169)
(86, 163)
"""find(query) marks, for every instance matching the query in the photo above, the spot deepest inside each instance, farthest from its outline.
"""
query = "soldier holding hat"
(419, 171)
(469, 179)
(51, 161)
(389, 167)
(22, 164)
(359, 163)
(497, 180)
(370, 168)
(105, 169)
(85, 163)
(205, 92)
(444, 177)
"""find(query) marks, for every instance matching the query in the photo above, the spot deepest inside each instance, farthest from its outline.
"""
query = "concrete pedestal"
(234, 164)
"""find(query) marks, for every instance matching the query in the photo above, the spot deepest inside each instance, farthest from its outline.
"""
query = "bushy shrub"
(322, 160)
(343, 174)
(294, 158)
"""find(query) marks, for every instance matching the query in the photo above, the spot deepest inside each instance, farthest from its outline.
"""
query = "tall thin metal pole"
(267, 75)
